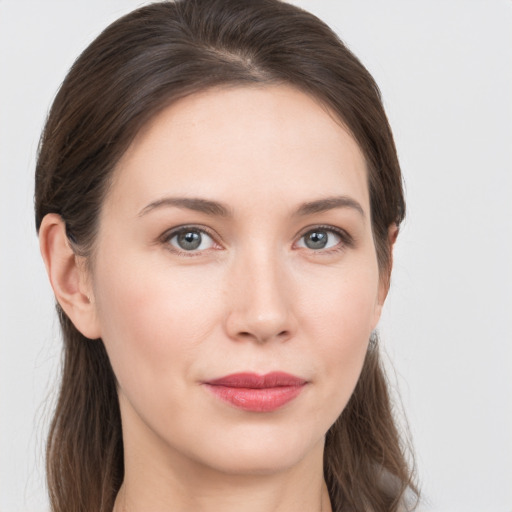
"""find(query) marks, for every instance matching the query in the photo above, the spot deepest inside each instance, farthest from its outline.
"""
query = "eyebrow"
(190, 203)
(217, 209)
(329, 203)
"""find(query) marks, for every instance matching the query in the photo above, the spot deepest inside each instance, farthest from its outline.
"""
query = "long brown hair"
(137, 66)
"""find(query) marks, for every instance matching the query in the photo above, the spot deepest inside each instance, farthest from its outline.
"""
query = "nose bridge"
(260, 300)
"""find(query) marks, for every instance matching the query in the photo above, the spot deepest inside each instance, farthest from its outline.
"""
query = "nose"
(260, 301)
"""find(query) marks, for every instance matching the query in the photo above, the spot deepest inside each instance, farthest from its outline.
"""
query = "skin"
(254, 297)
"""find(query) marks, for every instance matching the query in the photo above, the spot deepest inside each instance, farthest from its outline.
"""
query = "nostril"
(262, 339)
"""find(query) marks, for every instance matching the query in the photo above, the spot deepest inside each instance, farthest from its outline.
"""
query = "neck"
(258, 497)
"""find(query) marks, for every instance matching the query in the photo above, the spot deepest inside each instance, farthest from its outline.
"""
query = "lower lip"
(256, 400)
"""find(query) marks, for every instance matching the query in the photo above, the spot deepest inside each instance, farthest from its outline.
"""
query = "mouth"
(257, 393)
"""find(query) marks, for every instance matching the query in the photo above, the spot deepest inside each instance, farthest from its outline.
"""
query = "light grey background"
(445, 70)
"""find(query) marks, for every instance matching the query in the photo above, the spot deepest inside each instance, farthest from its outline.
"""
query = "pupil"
(189, 240)
(316, 240)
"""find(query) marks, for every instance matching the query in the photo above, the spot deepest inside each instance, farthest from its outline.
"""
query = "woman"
(217, 198)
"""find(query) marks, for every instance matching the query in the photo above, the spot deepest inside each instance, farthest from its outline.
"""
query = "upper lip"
(255, 381)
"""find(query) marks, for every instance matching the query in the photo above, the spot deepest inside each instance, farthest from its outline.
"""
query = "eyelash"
(347, 240)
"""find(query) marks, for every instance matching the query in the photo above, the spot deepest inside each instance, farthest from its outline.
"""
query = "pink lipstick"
(257, 393)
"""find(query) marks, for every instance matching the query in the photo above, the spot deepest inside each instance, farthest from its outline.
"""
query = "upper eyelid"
(170, 233)
(339, 231)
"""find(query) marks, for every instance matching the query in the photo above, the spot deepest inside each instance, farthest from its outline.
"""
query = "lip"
(257, 393)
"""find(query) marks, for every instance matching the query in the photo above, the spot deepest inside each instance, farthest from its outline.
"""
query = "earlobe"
(68, 276)
(376, 315)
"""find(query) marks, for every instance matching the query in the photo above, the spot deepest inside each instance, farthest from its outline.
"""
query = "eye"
(189, 239)
(320, 239)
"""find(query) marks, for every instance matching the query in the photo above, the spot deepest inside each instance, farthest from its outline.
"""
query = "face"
(235, 279)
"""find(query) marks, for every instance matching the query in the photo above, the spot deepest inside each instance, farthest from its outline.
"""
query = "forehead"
(244, 143)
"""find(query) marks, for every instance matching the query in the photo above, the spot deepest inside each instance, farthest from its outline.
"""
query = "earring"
(374, 341)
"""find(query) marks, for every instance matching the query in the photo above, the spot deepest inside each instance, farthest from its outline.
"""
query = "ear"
(68, 276)
(385, 278)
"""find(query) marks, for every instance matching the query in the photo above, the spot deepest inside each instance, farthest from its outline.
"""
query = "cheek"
(342, 305)
(153, 319)
(339, 322)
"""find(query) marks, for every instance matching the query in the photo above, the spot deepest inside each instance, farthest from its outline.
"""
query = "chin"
(261, 452)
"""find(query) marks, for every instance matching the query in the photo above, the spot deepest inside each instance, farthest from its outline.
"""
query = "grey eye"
(191, 240)
(319, 239)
